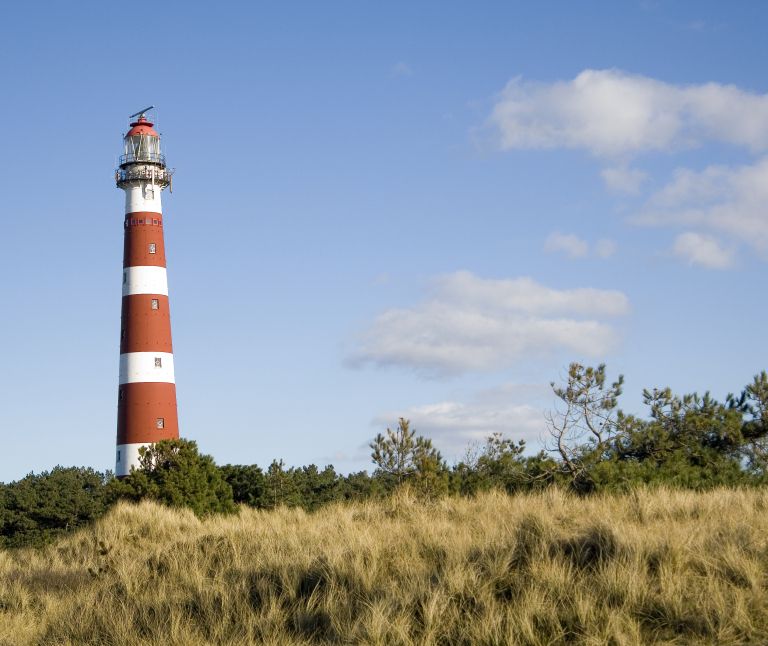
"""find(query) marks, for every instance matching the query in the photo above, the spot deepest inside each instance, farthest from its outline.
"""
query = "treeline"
(686, 441)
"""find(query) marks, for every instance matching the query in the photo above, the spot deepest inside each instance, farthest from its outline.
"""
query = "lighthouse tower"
(146, 407)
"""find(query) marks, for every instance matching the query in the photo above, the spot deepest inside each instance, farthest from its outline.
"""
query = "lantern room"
(142, 144)
(142, 160)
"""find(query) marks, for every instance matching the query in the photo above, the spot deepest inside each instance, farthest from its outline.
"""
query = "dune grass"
(671, 567)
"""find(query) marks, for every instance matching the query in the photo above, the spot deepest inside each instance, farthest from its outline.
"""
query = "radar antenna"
(141, 113)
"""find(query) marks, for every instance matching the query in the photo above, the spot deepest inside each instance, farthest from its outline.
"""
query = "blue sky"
(381, 209)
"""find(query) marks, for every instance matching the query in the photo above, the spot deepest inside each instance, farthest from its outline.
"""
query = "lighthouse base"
(127, 456)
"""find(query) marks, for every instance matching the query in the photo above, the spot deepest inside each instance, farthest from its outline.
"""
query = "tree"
(317, 488)
(402, 456)
(585, 422)
(690, 441)
(360, 486)
(498, 464)
(281, 486)
(175, 473)
(248, 483)
(753, 405)
(39, 507)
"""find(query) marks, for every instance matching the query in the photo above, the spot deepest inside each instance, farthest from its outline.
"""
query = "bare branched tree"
(584, 419)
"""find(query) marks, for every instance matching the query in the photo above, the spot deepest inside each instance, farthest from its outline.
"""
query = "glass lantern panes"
(142, 148)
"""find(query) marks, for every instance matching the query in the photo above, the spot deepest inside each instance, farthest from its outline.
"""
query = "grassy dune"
(651, 567)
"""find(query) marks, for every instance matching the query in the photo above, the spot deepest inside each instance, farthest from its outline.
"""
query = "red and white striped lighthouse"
(146, 407)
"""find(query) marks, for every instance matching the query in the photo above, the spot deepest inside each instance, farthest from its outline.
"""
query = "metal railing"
(155, 174)
(142, 158)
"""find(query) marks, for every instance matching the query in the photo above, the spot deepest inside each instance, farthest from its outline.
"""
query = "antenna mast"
(141, 113)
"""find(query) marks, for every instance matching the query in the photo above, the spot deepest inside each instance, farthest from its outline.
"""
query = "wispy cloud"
(605, 248)
(703, 250)
(731, 201)
(615, 114)
(575, 247)
(474, 324)
(402, 69)
(568, 243)
(622, 179)
(514, 410)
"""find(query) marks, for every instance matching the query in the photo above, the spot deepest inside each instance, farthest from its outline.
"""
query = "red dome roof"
(141, 127)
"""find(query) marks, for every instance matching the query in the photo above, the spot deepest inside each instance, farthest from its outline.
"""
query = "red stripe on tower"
(146, 406)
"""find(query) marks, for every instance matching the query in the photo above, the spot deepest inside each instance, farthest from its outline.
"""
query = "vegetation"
(688, 441)
(656, 566)
(625, 531)
(691, 441)
(402, 456)
(173, 472)
(41, 507)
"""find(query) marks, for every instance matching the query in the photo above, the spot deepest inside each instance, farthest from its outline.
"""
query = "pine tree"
(175, 473)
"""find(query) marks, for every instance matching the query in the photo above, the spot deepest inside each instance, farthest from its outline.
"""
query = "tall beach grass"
(666, 567)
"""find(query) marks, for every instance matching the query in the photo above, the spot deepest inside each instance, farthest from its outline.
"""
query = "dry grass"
(651, 567)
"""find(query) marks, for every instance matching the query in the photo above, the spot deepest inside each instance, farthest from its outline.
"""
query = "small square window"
(160, 422)
(155, 304)
(154, 222)
(158, 362)
(152, 247)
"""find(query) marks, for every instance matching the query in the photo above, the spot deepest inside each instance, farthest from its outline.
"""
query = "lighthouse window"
(152, 247)
(121, 395)
(160, 423)
(125, 277)
(155, 304)
(154, 222)
(118, 456)
(158, 362)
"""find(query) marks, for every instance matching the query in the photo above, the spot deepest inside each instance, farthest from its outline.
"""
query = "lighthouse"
(146, 406)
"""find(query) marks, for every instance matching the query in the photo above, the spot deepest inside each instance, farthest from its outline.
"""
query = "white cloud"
(623, 180)
(704, 250)
(575, 247)
(572, 245)
(605, 248)
(527, 296)
(729, 200)
(613, 113)
(513, 410)
(475, 324)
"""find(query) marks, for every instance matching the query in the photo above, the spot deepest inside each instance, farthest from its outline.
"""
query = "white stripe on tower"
(145, 280)
(146, 367)
(142, 198)
(127, 457)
